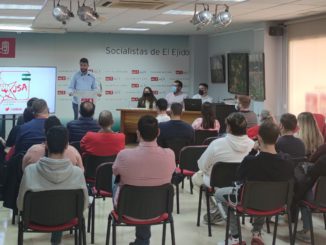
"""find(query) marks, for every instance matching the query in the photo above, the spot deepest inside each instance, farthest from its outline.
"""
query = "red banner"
(7, 47)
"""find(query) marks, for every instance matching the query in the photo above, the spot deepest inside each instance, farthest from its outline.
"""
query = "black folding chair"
(76, 144)
(202, 135)
(150, 205)
(188, 166)
(209, 140)
(262, 199)
(54, 210)
(176, 144)
(102, 189)
(91, 163)
(223, 175)
(318, 205)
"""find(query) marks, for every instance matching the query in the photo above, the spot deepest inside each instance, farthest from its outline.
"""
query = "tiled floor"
(185, 226)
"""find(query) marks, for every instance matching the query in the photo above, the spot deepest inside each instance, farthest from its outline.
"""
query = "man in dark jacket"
(78, 128)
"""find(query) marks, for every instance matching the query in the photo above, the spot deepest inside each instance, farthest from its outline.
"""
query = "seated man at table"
(78, 128)
(268, 165)
(176, 95)
(203, 93)
(146, 165)
(175, 128)
(105, 142)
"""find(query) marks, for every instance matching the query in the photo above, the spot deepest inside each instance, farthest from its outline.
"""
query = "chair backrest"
(92, 162)
(147, 202)
(320, 120)
(189, 156)
(202, 135)
(54, 207)
(223, 174)
(320, 196)
(207, 141)
(267, 195)
(298, 160)
(176, 144)
(76, 144)
(104, 177)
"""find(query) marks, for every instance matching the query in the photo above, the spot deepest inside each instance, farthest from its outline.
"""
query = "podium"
(83, 96)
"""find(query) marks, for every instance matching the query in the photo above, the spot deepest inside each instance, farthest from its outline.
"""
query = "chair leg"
(191, 186)
(199, 206)
(80, 234)
(275, 228)
(311, 228)
(84, 232)
(163, 234)
(239, 229)
(75, 235)
(114, 234)
(208, 214)
(14, 213)
(89, 217)
(20, 233)
(172, 231)
(108, 231)
(324, 214)
(177, 196)
(243, 219)
(93, 222)
(268, 226)
(295, 225)
(227, 226)
(183, 183)
(290, 227)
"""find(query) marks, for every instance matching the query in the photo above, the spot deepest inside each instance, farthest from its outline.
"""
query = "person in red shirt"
(105, 142)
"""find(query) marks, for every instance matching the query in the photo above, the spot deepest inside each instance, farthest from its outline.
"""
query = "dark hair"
(179, 83)
(87, 109)
(151, 99)
(204, 84)
(237, 123)
(39, 106)
(30, 101)
(148, 127)
(244, 100)
(105, 119)
(208, 115)
(57, 139)
(176, 109)
(269, 132)
(84, 60)
(162, 104)
(28, 114)
(50, 122)
(289, 121)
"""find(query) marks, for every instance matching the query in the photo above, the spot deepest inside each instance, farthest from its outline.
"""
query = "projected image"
(19, 84)
(238, 73)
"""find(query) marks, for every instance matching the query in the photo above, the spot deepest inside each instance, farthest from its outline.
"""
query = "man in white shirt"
(176, 96)
(161, 107)
(203, 93)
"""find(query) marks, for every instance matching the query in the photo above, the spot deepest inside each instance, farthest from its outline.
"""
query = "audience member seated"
(268, 165)
(207, 121)
(287, 143)
(265, 116)
(161, 107)
(309, 132)
(78, 128)
(231, 148)
(53, 172)
(243, 102)
(36, 152)
(105, 142)
(176, 95)
(21, 118)
(306, 193)
(203, 93)
(156, 164)
(147, 100)
(32, 132)
(321, 151)
(175, 128)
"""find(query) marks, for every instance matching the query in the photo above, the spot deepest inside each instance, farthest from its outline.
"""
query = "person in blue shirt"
(82, 80)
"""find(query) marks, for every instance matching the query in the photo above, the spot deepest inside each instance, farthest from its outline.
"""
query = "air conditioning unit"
(133, 4)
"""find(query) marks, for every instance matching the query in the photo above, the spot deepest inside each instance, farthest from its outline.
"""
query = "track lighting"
(201, 18)
(86, 13)
(223, 18)
(61, 13)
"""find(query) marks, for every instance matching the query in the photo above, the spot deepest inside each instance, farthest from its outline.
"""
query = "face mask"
(237, 106)
(174, 89)
(147, 94)
(201, 92)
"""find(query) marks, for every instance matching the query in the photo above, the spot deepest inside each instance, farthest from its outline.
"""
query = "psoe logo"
(134, 71)
(108, 92)
(135, 85)
(62, 78)
(179, 72)
(110, 78)
(154, 79)
(61, 92)
(134, 98)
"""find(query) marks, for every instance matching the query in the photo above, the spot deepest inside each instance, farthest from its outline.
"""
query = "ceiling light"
(17, 17)
(15, 28)
(86, 13)
(132, 29)
(179, 12)
(222, 19)
(202, 18)
(62, 13)
(20, 6)
(153, 22)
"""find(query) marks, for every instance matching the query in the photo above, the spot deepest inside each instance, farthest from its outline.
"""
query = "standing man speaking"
(83, 80)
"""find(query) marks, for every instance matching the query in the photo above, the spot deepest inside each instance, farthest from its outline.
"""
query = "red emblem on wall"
(7, 47)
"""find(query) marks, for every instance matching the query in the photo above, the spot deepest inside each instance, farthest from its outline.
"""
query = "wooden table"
(129, 119)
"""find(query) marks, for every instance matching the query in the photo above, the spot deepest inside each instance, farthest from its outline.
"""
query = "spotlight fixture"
(204, 17)
(201, 18)
(87, 13)
(62, 13)
(223, 18)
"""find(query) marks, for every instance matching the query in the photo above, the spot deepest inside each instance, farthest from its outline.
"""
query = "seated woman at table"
(208, 119)
(147, 100)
